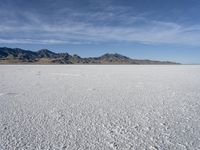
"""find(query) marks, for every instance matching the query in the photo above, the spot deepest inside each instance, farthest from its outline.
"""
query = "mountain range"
(45, 56)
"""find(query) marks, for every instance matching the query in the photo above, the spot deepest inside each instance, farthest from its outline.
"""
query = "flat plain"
(98, 107)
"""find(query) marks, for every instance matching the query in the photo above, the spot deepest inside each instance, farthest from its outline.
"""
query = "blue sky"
(149, 29)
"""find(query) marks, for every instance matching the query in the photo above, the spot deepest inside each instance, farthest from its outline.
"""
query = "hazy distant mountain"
(45, 53)
(44, 56)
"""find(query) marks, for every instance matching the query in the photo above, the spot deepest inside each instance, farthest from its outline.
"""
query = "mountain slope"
(44, 56)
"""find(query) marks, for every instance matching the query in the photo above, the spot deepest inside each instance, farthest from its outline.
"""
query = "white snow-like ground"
(99, 107)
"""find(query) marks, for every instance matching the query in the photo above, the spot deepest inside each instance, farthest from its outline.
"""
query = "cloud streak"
(114, 24)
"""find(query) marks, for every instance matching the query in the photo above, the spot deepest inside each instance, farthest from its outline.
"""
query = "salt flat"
(99, 107)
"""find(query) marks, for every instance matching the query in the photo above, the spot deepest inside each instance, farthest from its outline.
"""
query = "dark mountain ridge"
(45, 56)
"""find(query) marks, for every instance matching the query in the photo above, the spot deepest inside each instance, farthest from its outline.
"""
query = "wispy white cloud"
(31, 41)
(114, 24)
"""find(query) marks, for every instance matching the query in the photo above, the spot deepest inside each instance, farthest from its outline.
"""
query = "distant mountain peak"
(45, 53)
(114, 55)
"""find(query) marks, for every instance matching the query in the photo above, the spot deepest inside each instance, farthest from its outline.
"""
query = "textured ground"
(99, 107)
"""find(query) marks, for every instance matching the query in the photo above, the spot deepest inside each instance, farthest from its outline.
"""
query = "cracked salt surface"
(99, 107)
